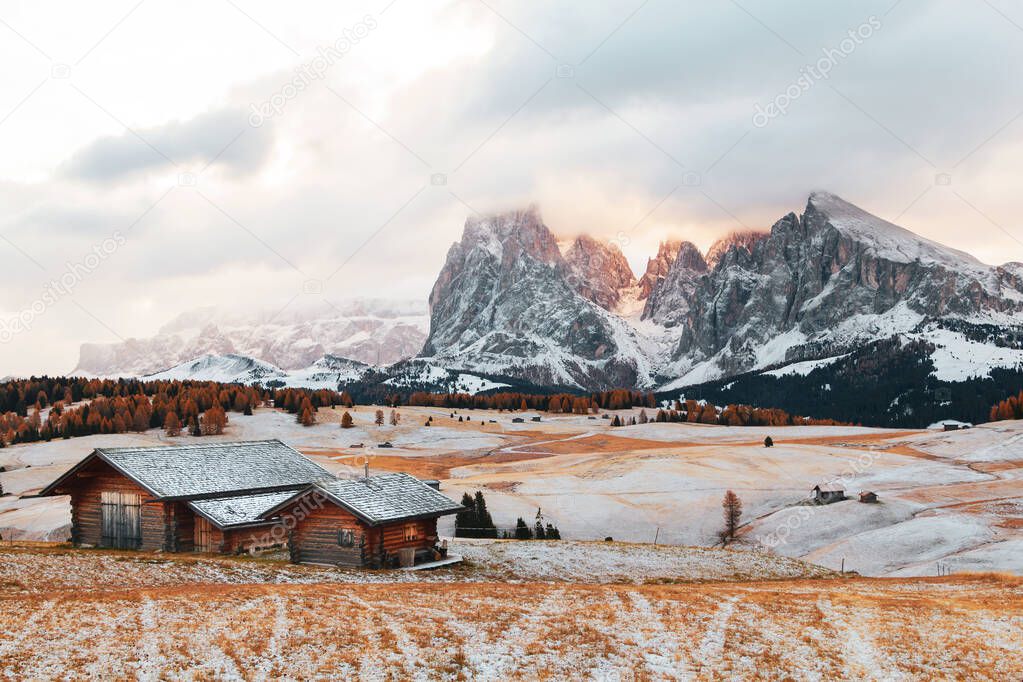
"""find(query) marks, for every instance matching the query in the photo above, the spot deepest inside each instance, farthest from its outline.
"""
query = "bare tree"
(379, 420)
(732, 506)
(394, 417)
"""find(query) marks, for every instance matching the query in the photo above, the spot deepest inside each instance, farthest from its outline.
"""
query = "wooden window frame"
(346, 537)
(411, 532)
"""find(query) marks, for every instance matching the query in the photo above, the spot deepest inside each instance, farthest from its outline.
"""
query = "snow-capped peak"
(889, 240)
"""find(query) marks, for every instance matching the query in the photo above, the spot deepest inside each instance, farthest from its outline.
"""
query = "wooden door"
(121, 519)
(203, 535)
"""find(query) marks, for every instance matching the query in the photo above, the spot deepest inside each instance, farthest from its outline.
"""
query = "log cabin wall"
(394, 537)
(86, 490)
(317, 539)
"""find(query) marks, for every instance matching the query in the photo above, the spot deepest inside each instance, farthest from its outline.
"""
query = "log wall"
(315, 539)
(86, 489)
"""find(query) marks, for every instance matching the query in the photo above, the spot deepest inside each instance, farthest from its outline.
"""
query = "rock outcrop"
(598, 271)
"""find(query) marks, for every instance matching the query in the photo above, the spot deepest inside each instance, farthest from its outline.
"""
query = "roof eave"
(416, 517)
(232, 493)
(231, 526)
(96, 453)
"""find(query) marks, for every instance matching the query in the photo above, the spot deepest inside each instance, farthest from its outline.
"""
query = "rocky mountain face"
(817, 286)
(826, 282)
(741, 239)
(506, 303)
(598, 271)
(657, 267)
(670, 301)
(372, 332)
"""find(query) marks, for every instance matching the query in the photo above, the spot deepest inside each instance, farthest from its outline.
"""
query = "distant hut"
(827, 494)
(868, 497)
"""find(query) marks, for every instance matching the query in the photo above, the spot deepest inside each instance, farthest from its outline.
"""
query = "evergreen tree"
(379, 418)
(483, 520)
(394, 418)
(465, 520)
(522, 531)
(552, 532)
(768, 442)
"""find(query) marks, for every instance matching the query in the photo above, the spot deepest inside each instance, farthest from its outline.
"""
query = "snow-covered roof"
(386, 498)
(209, 470)
(239, 510)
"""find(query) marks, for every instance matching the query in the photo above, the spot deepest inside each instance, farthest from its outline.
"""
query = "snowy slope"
(327, 372)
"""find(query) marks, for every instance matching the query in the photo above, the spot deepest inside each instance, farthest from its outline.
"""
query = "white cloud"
(342, 175)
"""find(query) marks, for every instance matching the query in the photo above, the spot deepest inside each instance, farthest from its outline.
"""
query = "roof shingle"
(239, 510)
(183, 471)
(388, 497)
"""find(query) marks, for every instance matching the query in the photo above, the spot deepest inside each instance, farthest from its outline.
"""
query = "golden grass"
(952, 627)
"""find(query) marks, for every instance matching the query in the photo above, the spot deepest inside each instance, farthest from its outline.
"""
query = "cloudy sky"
(159, 156)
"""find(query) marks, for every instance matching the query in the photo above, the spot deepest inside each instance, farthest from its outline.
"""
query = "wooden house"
(868, 497)
(385, 520)
(208, 497)
(827, 494)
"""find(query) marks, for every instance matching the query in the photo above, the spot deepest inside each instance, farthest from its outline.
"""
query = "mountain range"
(513, 305)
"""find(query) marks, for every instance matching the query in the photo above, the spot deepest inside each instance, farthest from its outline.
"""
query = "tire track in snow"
(663, 654)
(278, 632)
(150, 661)
(712, 647)
(862, 659)
(372, 665)
(409, 654)
(500, 659)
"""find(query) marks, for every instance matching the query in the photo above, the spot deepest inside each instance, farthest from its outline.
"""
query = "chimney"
(367, 469)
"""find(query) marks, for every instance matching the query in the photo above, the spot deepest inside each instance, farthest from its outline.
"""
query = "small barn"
(827, 494)
(868, 497)
(209, 497)
(387, 520)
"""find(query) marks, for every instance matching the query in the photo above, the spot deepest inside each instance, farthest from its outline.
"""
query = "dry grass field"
(73, 614)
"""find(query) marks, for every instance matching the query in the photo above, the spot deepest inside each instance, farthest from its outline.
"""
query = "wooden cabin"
(868, 497)
(208, 497)
(387, 520)
(827, 494)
